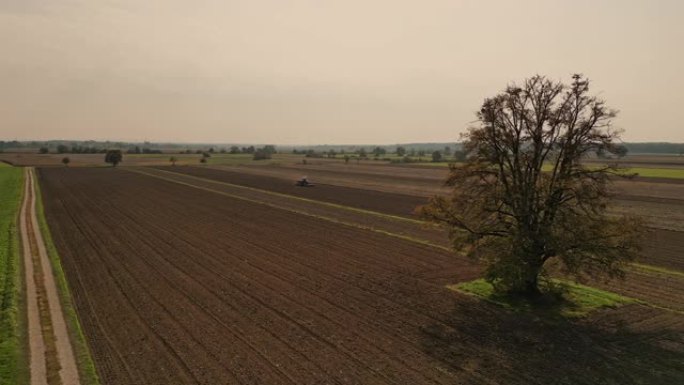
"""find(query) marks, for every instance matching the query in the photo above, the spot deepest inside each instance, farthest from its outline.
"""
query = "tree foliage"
(523, 196)
(265, 152)
(113, 157)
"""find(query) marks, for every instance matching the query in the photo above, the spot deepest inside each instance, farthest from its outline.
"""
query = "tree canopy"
(113, 157)
(523, 197)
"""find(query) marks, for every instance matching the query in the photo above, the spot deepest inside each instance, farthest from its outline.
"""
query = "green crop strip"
(643, 172)
(657, 270)
(13, 344)
(86, 367)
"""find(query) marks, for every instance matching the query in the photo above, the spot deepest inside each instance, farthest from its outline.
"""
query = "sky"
(323, 71)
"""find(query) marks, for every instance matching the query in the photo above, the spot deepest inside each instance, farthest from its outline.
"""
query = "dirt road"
(51, 356)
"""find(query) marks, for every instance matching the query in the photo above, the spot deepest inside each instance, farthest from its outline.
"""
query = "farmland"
(197, 275)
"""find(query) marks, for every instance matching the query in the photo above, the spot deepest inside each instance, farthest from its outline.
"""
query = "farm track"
(193, 286)
(51, 356)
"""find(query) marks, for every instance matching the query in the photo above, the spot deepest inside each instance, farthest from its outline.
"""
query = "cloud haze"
(314, 71)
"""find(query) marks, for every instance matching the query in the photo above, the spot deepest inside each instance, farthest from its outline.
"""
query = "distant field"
(645, 172)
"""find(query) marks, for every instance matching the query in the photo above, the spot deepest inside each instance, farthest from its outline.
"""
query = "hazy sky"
(317, 71)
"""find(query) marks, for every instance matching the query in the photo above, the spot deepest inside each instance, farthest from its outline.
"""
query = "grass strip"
(671, 173)
(642, 172)
(86, 367)
(570, 300)
(657, 270)
(13, 332)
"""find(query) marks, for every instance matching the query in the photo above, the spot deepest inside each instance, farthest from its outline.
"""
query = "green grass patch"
(13, 352)
(86, 367)
(562, 298)
(643, 172)
(657, 270)
(672, 173)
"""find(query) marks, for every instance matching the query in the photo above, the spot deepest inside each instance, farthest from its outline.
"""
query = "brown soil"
(396, 204)
(181, 286)
(670, 254)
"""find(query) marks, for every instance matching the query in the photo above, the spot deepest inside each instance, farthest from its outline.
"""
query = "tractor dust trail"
(51, 355)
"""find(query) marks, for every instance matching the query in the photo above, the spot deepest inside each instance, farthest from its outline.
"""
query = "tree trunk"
(528, 285)
(531, 285)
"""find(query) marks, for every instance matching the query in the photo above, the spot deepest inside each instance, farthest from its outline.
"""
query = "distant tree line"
(402, 154)
(144, 150)
(410, 149)
(264, 153)
(77, 149)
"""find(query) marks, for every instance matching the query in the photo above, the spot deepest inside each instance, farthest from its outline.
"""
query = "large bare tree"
(524, 196)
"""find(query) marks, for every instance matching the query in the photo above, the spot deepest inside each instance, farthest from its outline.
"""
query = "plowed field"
(662, 247)
(176, 285)
(397, 204)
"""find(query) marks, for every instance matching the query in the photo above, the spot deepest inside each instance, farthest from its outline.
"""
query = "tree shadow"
(612, 346)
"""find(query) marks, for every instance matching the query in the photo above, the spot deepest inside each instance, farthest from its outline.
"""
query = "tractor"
(304, 182)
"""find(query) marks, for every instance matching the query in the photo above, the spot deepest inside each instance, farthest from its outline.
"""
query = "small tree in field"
(621, 151)
(436, 156)
(173, 160)
(113, 157)
(523, 197)
(66, 161)
(261, 154)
